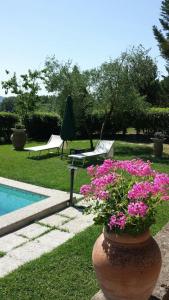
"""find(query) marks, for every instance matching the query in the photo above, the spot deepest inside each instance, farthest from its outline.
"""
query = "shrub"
(158, 120)
(155, 119)
(40, 125)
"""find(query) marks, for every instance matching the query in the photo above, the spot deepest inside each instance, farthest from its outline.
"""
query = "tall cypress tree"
(162, 36)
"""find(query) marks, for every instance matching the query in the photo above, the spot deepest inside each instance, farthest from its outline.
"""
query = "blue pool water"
(12, 199)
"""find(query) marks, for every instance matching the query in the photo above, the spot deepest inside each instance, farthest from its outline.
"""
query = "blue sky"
(88, 32)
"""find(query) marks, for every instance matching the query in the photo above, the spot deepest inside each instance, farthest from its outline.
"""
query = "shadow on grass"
(126, 152)
(146, 153)
(135, 138)
(133, 151)
(43, 156)
(87, 163)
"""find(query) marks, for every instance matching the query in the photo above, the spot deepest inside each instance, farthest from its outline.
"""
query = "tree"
(143, 73)
(114, 90)
(26, 90)
(164, 92)
(47, 103)
(8, 104)
(67, 79)
(162, 36)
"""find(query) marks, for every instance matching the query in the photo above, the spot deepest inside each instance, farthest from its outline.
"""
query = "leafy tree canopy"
(26, 89)
(162, 35)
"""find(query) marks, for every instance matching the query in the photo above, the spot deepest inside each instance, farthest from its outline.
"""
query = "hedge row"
(38, 126)
(155, 119)
(42, 125)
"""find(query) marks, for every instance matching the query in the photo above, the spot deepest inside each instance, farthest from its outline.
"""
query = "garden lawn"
(51, 171)
(66, 272)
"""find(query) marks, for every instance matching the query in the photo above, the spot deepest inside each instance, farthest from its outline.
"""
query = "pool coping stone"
(56, 200)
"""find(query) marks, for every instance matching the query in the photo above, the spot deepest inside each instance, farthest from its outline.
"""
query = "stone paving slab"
(54, 220)
(53, 239)
(31, 231)
(8, 264)
(78, 224)
(11, 241)
(34, 240)
(36, 248)
(71, 212)
(27, 252)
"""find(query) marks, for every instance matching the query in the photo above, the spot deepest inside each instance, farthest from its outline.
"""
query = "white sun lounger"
(103, 148)
(55, 142)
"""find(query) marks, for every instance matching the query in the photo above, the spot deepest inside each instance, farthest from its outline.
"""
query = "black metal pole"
(72, 173)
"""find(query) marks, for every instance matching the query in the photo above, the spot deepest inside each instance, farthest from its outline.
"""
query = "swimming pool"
(16, 214)
(12, 199)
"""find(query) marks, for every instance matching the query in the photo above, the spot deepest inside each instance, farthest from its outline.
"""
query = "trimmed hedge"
(158, 120)
(7, 121)
(41, 125)
(150, 121)
(155, 119)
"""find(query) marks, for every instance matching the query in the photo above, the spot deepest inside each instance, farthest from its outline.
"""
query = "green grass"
(66, 272)
(52, 172)
(48, 171)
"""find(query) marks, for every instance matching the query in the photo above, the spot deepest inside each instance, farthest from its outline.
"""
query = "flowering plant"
(124, 195)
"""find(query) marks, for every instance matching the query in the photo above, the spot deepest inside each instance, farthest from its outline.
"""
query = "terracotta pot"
(158, 147)
(18, 138)
(127, 267)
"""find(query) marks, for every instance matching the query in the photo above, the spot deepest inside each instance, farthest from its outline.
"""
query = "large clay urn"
(158, 147)
(18, 138)
(127, 267)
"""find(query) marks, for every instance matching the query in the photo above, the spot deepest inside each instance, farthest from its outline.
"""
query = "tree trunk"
(102, 128)
(89, 135)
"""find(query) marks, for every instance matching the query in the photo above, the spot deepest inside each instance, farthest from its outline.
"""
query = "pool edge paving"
(55, 201)
(33, 248)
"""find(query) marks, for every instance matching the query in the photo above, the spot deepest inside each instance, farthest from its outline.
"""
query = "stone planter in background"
(18, 138)
(158, 146)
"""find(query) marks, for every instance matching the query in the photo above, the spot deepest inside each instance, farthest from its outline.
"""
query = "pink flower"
(102, 195)
(161, 180)
(85, 189)
(91, 170)
(103, 181)
(161, 185)
(137, 209)
(136, 167)
(105, 168)
(117, 221)
(165, 198)
(129, 191)
(141, 190)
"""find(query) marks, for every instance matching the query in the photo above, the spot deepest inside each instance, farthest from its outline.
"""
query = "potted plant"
(158, 140)
(123, 196)
(18, 137)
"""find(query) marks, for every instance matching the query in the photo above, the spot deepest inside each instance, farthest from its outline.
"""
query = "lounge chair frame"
(55, 142)
(103, 148)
